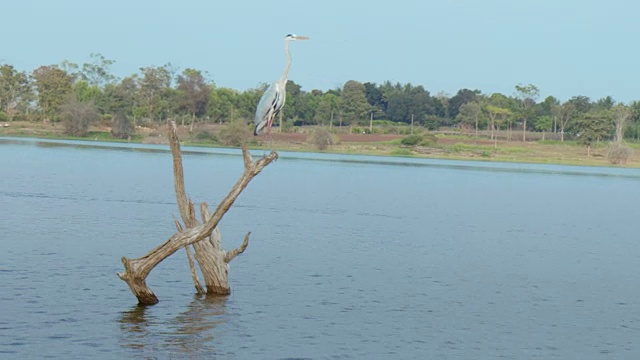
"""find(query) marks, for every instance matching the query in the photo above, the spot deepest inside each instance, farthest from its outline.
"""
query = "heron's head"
(295, 37)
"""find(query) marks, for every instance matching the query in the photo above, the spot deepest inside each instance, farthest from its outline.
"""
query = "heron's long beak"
(302, 38)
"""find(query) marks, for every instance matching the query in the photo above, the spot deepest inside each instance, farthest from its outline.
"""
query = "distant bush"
(121, 126)
(3, 117)
(411, 140)
(235, 133)
(432, 122)
(26, 117)
(358, 130)
(618, 154)
(428, 140)
(321, 138)
(419, 139)
(401, 152)
(77, 116)
(206, 136)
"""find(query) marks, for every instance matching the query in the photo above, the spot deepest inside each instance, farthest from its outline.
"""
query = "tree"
(501, 100)
(293, 92)
(205, 238)
(154, 88)
(249, 99)
(469, 113)
(306, 107)
(439, 105)
(85, 92)
(527, 96)
(354, 102)
(605, 103)
(593, 126)
(14, 89)
(564, 113)
(621, 114)
(194, 93)
(581, 103)
(463, 96)
(497, 115)
(634, 119)
(222, 104)
(54, 86)
(328, 106)
(375, 97)
(300, 104)
(97, 72)
(547, 106)
(407, 101)
(618, 153)
(544, 124)
(123, 97)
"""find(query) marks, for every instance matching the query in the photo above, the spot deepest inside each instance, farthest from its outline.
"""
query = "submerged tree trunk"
(205, 237)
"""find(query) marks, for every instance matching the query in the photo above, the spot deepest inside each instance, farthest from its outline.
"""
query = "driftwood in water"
(204, 237)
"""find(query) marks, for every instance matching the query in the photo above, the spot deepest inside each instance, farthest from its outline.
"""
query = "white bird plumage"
(273, 98)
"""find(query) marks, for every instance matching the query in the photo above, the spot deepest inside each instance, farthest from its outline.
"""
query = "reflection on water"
(134, 327)
(190, 332)
(349, 257)
(348, 159)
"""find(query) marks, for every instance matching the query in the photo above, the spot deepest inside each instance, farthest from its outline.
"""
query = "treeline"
(78, 94)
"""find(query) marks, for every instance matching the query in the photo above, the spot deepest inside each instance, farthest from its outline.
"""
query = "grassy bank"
(440, 146)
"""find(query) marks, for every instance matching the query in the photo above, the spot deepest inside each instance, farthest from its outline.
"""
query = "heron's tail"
(259, 127)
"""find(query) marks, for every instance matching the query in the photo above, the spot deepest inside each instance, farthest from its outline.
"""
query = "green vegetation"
(87, 96)
(419, 140)
(411, 140)
(401, 152)
(235, 134)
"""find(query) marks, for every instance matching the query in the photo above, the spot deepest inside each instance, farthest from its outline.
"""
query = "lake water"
(350, 257)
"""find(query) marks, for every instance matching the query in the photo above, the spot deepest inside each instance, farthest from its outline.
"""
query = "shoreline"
(452, 147)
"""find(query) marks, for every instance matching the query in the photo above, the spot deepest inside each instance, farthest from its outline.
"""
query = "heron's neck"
(285, 74)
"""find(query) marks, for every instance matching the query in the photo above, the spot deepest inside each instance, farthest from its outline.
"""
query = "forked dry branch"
(204, 237)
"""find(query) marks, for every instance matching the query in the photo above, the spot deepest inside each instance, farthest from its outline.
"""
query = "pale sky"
(565, 47)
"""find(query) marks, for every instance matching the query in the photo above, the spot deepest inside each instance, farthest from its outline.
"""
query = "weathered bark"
(192, 266)
(205, 252)
(205, 237)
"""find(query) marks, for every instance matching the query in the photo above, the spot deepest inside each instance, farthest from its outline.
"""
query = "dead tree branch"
(209, 254)
(192, 265)
(235, 252)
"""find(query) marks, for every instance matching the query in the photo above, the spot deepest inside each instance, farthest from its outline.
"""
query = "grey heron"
(273, 98)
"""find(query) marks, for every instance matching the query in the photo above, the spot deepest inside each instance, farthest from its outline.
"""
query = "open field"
(447, 146)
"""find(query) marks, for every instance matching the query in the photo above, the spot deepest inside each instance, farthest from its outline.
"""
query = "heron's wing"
(268, 107)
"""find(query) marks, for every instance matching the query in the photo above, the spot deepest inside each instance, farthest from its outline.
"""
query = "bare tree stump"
(204, 237)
